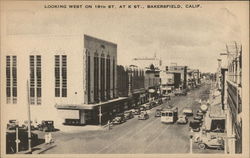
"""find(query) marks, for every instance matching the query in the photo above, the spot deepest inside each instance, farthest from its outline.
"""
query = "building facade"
(179, 74)
(233, 100)
(72, 78)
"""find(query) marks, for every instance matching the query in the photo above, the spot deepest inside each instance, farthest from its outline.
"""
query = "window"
(114, 79)
(108, 76)
(89, 77)
(57, 76)
(102, 77)
(60, 76)
(8, 80)
(96, 78)
(38, 79)
(35, 79)
(64, 76)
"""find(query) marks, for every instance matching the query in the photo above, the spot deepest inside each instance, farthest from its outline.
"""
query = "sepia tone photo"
(124, 78)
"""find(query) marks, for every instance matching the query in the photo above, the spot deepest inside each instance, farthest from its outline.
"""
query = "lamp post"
(28, 110)
(191, 144)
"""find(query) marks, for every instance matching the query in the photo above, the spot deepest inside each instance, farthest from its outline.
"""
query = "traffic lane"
(154, 134)
(136, 129)
(97, 142)
(172, 139)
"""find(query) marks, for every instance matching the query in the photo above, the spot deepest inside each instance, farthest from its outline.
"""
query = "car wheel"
(202, 146)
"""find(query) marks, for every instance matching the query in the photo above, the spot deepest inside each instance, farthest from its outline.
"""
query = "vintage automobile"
(12, 124)
(159, 101)
(142, 108)
(195, 125)
(158, 112)
(182, 119)
(199, 113)
(148, 106)
(187, 111)
(120, 118)
(33, 125)
(143, 116)
(153, 104)
(128, 114)
(211, 142)
(135, 111)
(46, 126)
(197, 117)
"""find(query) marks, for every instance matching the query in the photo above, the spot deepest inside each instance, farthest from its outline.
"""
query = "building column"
(111, 78)
(105, 76)
(99, 77)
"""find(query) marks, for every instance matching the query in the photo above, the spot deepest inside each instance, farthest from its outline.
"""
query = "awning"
(88, 106)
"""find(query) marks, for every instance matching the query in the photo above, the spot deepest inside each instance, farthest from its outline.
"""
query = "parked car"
(199, 113)
(154, 103)
(46, 126)
(197, 117)
(195, 125)
(148, 106)
(142, 108)
(136, 111)
(143, 116)
(120, 118)
(187, 111)
(211, 142)
(182, 119)
(12, 124)
(158, 112)
(33, 125)
(128, 115)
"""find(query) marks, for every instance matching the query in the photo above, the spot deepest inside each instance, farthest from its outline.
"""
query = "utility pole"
(29, 128)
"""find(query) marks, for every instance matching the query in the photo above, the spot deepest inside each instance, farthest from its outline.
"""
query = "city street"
(134, 136)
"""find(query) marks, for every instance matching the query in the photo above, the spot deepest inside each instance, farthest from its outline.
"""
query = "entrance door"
(82, 117)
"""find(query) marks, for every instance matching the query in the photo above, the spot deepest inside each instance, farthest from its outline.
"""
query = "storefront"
(91, 113)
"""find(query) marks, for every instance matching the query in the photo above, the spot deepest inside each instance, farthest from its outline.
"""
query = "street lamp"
(28, 112)
(191, 144)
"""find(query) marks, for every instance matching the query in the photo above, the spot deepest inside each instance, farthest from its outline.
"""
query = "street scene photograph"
(132, 78)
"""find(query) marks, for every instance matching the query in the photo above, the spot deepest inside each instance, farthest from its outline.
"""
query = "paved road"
(134, 136)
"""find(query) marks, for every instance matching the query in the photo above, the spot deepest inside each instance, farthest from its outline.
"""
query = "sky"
(192, 37)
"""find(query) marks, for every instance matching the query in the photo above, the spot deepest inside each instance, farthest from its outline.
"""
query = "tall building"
(233, 100)
(179, 76)
(74, 79)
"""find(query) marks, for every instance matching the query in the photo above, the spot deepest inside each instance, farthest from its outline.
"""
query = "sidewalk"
(75, 129)
(39, 149)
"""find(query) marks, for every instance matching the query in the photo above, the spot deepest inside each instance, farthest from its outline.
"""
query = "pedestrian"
(50, 140)
(46, 137)
(109, 126)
